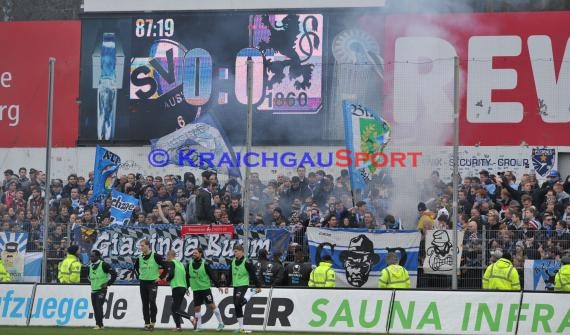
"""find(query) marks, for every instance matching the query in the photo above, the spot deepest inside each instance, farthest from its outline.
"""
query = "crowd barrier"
(307, 310)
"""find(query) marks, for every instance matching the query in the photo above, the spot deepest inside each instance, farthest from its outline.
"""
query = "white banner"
(15, 300)
(359, 255)
(305, 310)
(322, 310)
(70, 305)
(545, 313)
(447, 312)
(439, 251)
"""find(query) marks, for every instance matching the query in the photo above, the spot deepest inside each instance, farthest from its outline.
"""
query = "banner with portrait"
(119, 245)
(439, 250)
(539, 274)
(360, 254)
(13, 253)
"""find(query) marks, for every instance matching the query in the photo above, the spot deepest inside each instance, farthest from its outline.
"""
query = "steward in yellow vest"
(4, 274)
(502, 275)
(394, 275)
(323, 275)
(69, 270)
(562, 278)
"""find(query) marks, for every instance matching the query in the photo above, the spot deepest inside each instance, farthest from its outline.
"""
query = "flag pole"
(455, 180)
(51, 75)
(248, 140)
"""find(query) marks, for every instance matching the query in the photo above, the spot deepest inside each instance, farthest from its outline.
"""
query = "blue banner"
(539, 274)
(122, 207)
(360, 254)
(366, 136)
(119, 244)
(105, 173)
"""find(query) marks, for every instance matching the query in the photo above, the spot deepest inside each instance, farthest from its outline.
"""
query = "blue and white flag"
(366, 136)
(105, 173)
(539, 274)
(360, 254)
(201, 144)
(122, 207)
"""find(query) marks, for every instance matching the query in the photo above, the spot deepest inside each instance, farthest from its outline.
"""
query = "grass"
(110, 331)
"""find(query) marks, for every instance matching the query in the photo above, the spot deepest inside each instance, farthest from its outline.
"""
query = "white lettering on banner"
(432, 79)
(482, 79)
(5, 79)
(552, 93)
(12, 112)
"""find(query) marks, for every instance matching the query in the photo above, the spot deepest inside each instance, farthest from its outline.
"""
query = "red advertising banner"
(514, 70)
(206, 229)
(26, 49)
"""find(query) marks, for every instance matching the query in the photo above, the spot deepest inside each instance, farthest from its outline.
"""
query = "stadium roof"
(188, 5)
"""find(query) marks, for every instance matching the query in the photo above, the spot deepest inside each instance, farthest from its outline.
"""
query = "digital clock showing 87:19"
(208, 59)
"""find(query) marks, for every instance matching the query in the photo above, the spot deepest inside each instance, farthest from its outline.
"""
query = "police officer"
(562, 278)
(178, 282)
(147, 267)
(201, 278)
(99, 272)
(323, 275)
(4, 274)
(394, 275)
(69, 270)
(502, 275)
(242, 271)
(298, 271)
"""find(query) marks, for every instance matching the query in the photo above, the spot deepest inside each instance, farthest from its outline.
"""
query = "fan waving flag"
(105, 173)
(122, 208)
(366, 136)
(201, 144)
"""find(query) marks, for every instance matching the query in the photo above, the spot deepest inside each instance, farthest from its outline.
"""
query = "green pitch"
(111, 331)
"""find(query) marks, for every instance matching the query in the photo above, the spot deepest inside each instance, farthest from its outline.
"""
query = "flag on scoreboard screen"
(122, 207)
(201, 144)
(119, 244)
(360, 254)
(365, 133)
(104, 174)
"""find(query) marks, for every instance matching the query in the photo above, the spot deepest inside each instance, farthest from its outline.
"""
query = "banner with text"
(122, 208)
(119, 245)
(26, 50)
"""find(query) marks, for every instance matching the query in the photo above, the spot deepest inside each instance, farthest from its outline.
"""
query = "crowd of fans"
(498, 213)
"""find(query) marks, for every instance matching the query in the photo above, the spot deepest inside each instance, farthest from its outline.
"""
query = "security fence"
(427, 255)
